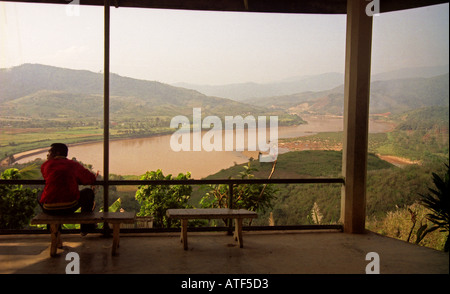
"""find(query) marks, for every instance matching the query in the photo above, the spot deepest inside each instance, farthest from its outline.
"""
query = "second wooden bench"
(211, 213)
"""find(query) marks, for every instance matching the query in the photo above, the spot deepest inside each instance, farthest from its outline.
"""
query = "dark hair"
(59, 149)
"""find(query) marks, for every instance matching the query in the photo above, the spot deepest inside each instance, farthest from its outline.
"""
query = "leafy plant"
(156, 199)
(16, 203)
(316, 216)
(254, 197)
(437, 201)
(421, 231)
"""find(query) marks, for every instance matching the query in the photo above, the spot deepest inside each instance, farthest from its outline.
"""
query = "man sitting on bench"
(61, 194)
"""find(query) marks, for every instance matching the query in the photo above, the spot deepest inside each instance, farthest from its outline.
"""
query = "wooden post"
(184, 224)
(106, 113)
(230, 206)
(356, 115)
(116, 237)
(238, 232)
(56, 239)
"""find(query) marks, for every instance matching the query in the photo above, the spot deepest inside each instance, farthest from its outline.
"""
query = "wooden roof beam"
(267, 6)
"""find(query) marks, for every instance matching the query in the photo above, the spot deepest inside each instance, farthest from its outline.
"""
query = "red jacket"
(62, 177)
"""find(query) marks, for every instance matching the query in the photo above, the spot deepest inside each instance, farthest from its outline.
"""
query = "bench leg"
(238, 232)
(116, 236)
(184, 223)
(56, 239)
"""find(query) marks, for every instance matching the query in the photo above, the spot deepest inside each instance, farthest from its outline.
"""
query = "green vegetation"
(427, 118)
(420, 135)
(392, 192)
(437, 201)
(254, 197)
(403, 223)
(17, 203)
(14, 141)
(293, 203)
(398, 212)
(156, 199)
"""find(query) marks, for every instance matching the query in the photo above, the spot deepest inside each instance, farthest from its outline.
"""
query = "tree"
(156, 199)
(16, 203)
(437, 201)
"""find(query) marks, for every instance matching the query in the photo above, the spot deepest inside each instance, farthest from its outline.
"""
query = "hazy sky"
(214, 47)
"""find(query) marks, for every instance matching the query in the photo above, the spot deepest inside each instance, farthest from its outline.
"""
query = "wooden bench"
(114, 218)
(211, 213)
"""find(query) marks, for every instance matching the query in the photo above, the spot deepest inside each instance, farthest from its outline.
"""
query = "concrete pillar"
(356, 115)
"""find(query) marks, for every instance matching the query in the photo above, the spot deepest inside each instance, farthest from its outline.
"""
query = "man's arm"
(84, 176)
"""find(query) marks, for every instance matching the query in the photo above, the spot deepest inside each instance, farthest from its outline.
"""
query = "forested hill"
(27, 79)
(293, 202)
(388, 186)
(426, 118)
(40, 91)
(301, 164)
(393, 96)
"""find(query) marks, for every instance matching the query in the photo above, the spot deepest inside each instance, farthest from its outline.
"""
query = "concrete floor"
(272, 252)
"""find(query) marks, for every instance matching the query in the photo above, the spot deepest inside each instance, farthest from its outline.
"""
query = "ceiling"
(275, 6)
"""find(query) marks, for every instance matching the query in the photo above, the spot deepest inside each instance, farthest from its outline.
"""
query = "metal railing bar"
(22, 182)
(230, 182)
(193, 182)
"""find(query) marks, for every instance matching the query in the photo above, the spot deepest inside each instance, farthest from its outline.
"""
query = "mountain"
(47, 92)
(393, 96)
(414, 72)
(34, 90)
(243, 91)
(311, 83)
(406, 94)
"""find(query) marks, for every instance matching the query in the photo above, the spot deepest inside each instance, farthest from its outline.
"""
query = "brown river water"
(136, 156)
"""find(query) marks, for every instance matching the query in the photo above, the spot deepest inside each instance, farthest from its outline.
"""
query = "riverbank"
(320, 145)
(398, 161)
(135, 156)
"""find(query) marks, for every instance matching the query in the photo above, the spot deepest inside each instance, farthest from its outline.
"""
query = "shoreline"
(397, 160)
(299, 146)
(315, 121)
(32, 152)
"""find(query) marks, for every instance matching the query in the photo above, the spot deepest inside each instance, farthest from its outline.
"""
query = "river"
(136, 156)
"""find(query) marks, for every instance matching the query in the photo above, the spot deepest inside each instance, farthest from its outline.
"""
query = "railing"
(230, 182)
(191, 182)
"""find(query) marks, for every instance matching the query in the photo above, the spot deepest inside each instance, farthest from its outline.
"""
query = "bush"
(253, 197)
(17, 204)
(156, 199)
(437, 201)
